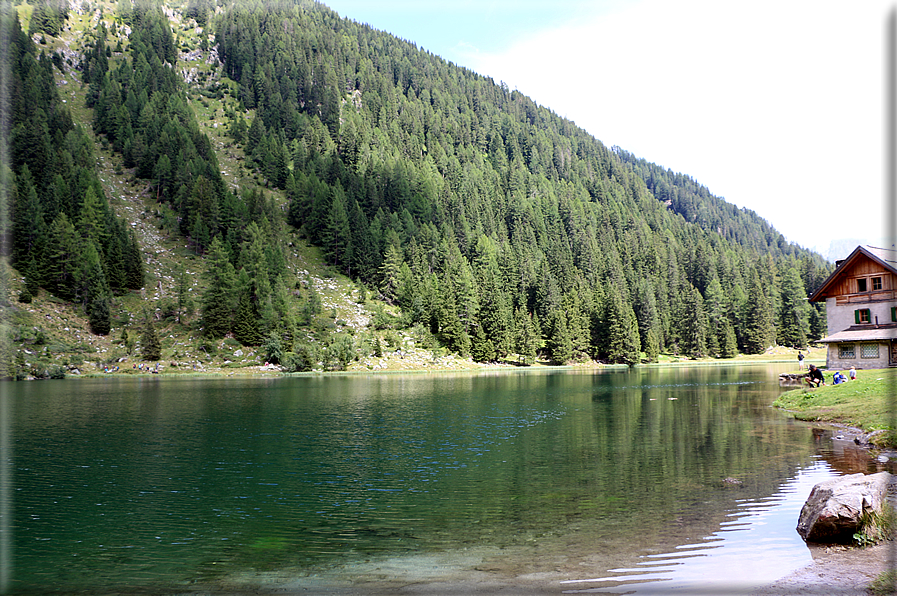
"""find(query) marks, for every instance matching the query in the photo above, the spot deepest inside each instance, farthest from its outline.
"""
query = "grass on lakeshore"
(866, 403)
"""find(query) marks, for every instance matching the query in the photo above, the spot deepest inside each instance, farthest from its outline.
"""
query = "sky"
(777, 106)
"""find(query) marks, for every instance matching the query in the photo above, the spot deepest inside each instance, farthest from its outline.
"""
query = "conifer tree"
(389, 273)
(527, 337)
(451, 331)
(622, 332)
(150, 347)
(728, 342)
(218, 300)
(646, 314)
(481, 347)
(337, 237)
(560, 342)
(651, 346)
(759, 328)
(793, 311)
(246, 327)
(94, 290)
(692, 323)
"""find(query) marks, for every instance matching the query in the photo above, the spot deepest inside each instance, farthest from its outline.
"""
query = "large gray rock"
(833, 509)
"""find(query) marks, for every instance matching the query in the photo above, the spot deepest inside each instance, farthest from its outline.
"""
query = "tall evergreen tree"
(560, 341)
(622, 332)
(759, 318)
(693, 323)
(793, 311)
(150, 347)
(527, 342)
(218, 300)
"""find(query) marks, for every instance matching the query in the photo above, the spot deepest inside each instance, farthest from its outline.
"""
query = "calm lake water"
(574, 481)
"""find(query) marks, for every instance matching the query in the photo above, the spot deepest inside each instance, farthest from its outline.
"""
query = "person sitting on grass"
(838, 378)
(814, 377)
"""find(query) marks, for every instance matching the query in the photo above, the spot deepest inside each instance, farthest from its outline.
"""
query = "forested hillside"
(500, 230)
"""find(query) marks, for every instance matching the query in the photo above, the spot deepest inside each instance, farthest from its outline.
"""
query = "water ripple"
(754, 550)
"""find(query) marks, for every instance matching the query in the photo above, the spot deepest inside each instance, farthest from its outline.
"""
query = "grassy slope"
(866, 403)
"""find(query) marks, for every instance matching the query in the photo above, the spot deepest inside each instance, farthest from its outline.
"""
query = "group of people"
(814, 378)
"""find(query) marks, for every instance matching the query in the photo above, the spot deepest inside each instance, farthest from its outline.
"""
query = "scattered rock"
(833, 509)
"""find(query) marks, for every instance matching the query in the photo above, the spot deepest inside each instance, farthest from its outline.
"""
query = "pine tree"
(389, 273)
(692, 323)
(93, 289)
(527, 337)
(246, 327)
(793, 311)
(481, 347)
(218, 300)
(150, 347)
(622, 332)
(759, 332)
(560, 342)
(337, 237)
(451, 331)
(728, 342)
(651, 346)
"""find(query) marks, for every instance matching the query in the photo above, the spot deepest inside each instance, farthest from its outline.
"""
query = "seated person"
(838, 378)
(814, 377)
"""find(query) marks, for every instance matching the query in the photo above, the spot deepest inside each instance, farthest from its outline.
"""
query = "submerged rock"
(833, 510)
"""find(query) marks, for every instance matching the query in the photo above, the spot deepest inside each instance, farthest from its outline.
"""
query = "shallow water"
(589, 481)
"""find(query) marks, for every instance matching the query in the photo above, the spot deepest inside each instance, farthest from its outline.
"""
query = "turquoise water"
(584, 480)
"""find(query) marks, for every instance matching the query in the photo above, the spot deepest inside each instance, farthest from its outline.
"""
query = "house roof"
(886, 257)
(854, 335)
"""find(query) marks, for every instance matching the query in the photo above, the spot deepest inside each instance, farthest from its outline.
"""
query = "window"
(862, 316)
(868, 350)
(876, 283)
(847, 351)
(861, 285)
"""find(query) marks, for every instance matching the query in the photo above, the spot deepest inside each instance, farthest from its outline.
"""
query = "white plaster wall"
(842, 317)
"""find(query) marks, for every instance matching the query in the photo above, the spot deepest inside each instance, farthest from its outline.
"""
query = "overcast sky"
(774, 105)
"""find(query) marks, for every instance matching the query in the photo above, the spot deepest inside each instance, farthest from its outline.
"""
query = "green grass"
(865, 403)
(885, 583)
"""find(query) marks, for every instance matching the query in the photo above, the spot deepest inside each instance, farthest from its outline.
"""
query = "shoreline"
(836, 570)
(468, 367)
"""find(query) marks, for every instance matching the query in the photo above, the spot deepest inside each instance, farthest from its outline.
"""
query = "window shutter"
(894, 313)
(856, 316)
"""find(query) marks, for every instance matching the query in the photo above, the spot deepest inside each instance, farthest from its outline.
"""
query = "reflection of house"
(861, 306)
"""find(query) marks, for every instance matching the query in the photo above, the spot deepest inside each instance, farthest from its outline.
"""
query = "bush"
(209, 347)
(273, 347)
(303, 359)
(342, 350)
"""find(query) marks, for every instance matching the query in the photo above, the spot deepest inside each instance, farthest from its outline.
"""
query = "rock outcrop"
(833, 510)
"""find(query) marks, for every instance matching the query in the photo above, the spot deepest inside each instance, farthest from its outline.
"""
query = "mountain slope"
(499, 229)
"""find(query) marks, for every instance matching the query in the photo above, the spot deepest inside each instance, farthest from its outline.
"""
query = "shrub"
(273, 348)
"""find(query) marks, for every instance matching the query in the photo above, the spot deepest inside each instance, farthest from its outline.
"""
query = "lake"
(564, 481)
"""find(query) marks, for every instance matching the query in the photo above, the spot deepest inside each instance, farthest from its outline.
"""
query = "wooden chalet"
(861, 307)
